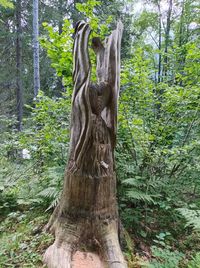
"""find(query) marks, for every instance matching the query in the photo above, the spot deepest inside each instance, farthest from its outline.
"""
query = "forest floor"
(23, 243)
(22, 240)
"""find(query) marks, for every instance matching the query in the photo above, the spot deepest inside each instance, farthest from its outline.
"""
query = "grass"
(22, 240)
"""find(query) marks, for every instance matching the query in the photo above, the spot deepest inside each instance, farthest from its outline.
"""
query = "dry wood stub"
(87, 212)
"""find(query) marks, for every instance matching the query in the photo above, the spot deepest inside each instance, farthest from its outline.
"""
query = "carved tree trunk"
(87, 213)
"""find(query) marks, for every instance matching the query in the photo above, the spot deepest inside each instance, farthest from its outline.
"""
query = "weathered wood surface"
(86, 260)
(87, 213)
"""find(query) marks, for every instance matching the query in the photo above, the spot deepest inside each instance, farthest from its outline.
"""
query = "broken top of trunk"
(88, 209)
(89, 99)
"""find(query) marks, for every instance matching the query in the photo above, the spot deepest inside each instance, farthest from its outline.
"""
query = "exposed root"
(110, 244)
(69, 236)
(58, 257)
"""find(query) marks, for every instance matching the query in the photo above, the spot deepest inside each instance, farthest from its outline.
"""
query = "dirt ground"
(86, 260)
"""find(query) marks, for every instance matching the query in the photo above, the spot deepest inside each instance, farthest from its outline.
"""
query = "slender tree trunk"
(75, 14)
(183, 39)
(36, 64)
(19, 66)
(159, 43)
(159, 91)
(60, 9)
(181, 26)
(167, 32)
(60, 87)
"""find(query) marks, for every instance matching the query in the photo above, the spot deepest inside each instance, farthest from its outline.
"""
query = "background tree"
(19, 65)
(36, 57)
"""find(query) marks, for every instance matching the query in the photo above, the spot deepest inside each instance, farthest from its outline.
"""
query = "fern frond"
(139, 196)
(50, 192)
(192, 217)
(131, 181)
(54, 203)
(22, 201)
(195, 262)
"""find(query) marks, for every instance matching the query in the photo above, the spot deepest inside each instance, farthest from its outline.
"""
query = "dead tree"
(88, 207)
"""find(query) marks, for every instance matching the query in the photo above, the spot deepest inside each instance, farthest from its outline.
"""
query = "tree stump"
(87, 212)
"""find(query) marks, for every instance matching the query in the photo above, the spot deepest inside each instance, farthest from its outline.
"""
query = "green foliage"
(48, 133)
(22, 242)
(192, 217)
(59, 50)
(59, 45)
(134, 192)
(88, 9)
(157, 153)
(6, 3)
(165, 258)
(47, 140)
(191, 68)
(36, 181)
(195, 262)
(163, 255)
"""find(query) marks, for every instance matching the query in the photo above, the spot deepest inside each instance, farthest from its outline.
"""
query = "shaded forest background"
(157, 152)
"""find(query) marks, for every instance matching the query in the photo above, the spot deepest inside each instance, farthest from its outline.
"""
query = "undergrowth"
(22, 240)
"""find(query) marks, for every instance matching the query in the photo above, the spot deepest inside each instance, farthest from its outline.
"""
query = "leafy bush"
(192, 217)
(38, 180)
(22, 242)
(195, 262)
(165, 258)
(157, 154)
